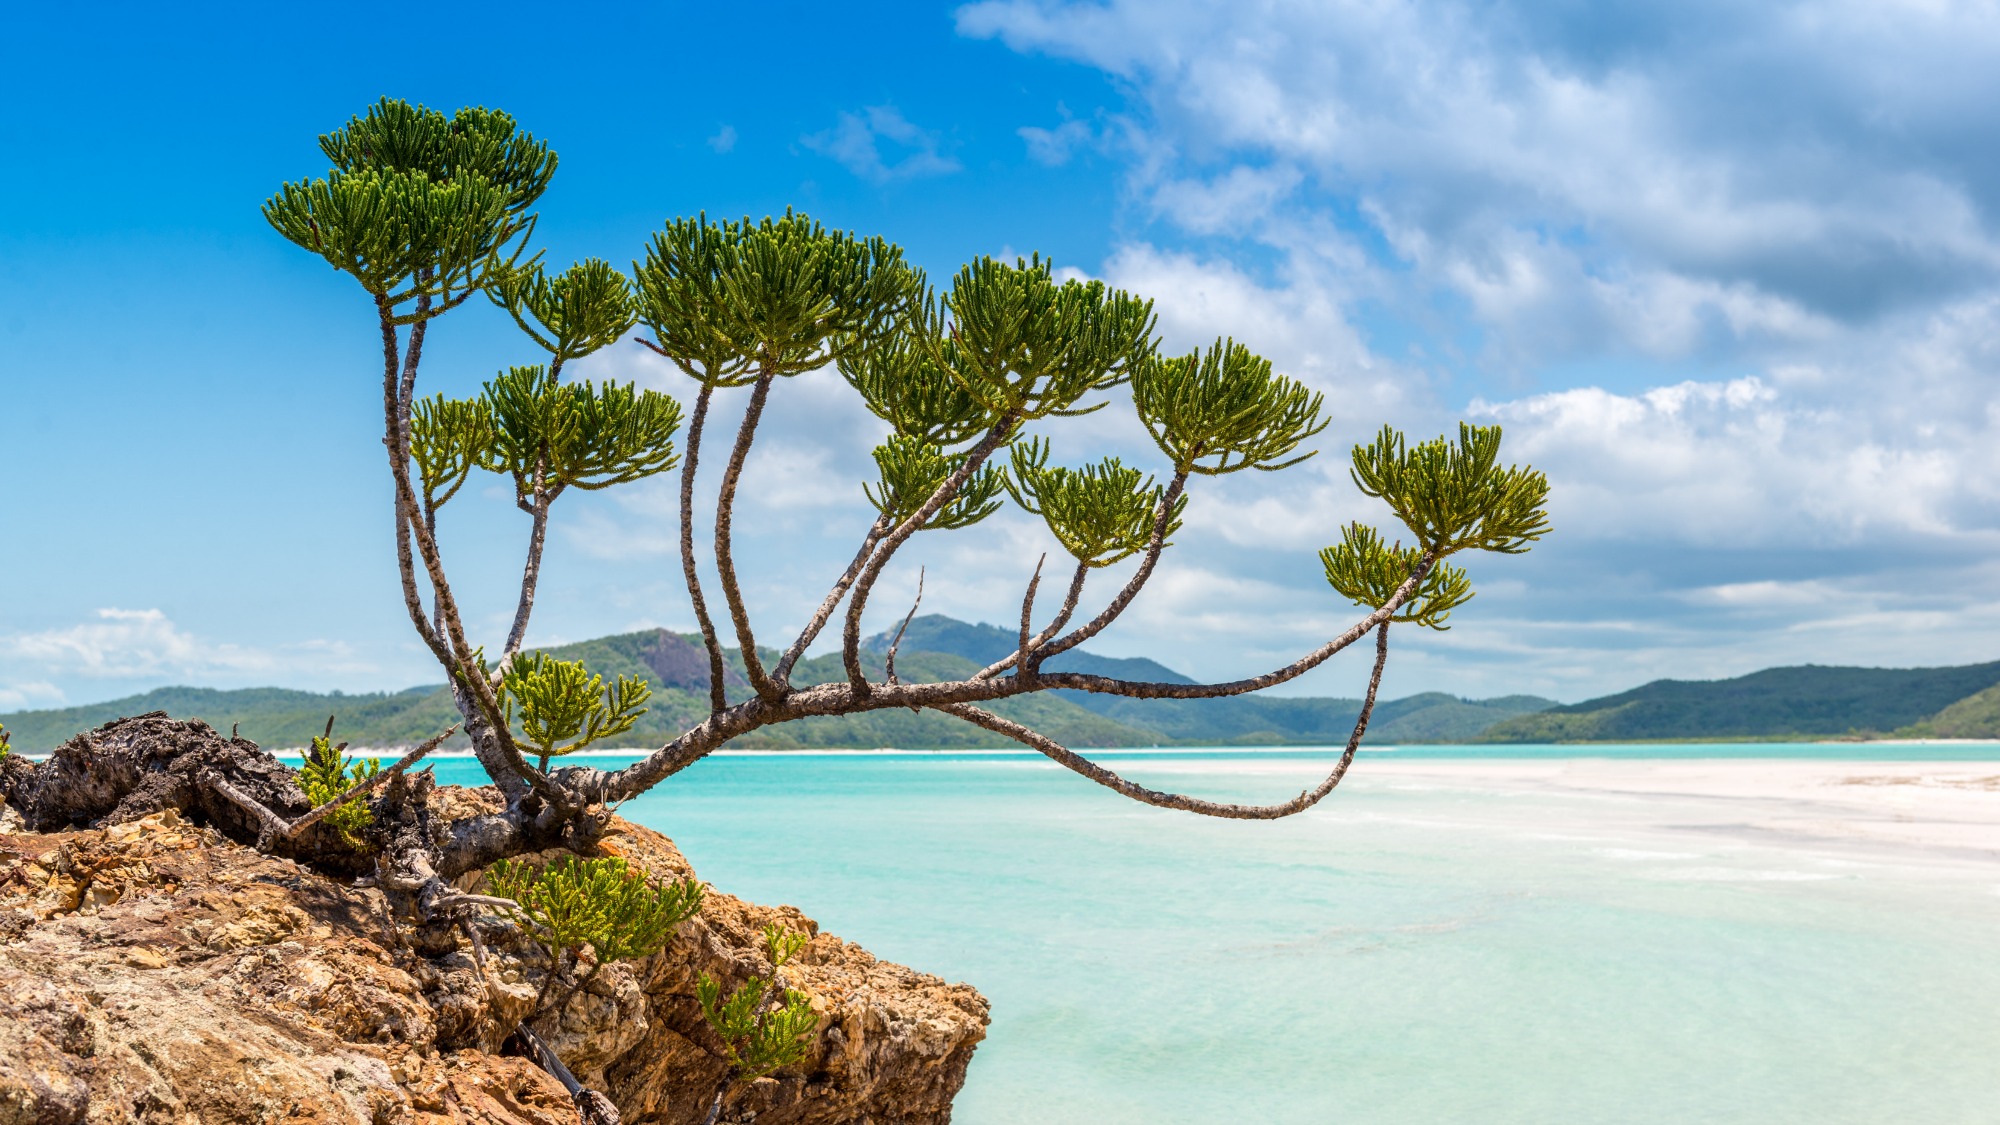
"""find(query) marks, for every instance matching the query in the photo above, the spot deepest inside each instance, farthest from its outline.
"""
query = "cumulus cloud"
(1730, 274)
(30, 694)
(881, 145)
(1054, 147)
(1299, 322)
(1767, 166)
(131, 642)
(130, 649)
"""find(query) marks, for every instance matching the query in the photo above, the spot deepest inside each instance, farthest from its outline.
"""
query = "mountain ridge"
(1804, 701)
(677, 667)
(1800, 702)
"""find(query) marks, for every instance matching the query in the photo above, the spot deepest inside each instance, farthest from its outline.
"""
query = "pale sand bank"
(1898, 805)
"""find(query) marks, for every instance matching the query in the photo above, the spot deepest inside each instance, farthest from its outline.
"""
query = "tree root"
(132, 768)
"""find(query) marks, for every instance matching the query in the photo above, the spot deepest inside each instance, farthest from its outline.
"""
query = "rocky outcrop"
(154, 971)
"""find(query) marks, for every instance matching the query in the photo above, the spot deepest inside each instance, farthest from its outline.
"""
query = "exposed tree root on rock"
(155, 966)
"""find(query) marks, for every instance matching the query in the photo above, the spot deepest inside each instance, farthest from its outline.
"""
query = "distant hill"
(1975, 716)
(985, 644)
(935, 648)
(267, 716)
(1239, 721)
(1807, 701)
(1802, 702)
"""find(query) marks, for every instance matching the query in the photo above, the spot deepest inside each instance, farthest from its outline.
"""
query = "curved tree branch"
(1027, 669)
(1154, 546)
(398, 389)
(827, 605)
(833, 699)
(718, 699)
(497, 754)
(1039, 639)
(690, 747)
(362, 788)
(1135, 689)
(396, 438)
(1182, 802)
(588, 784)
(850, 649)
(725, 559)
(889, 658)
(531, 570)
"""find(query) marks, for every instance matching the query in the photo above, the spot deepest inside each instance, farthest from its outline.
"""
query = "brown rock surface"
(156, 972)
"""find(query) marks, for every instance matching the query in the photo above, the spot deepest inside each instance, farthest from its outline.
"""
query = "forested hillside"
(1975, 716)
(1808, 701)
(935, 648)
(1249, 720)
(1803, 702)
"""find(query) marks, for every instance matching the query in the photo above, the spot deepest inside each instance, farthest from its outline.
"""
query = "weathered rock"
(153, 971)
(134, 767)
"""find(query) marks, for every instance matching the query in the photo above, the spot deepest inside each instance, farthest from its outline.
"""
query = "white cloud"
(1749, 167)
(1298, 324)
(724, 140)
(30, 694)
(133, 649)
(857, 141)
(1769, 593)
(1231, 203)
(131, 642)
(1054, 147)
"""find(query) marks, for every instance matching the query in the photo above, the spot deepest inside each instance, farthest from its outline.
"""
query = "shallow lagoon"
(1417, 948)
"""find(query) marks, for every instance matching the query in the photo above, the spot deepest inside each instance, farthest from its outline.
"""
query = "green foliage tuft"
(417, 204)
(730, 302)
(1101, 514)
(5, 749)
(1455, 497)
(912, 469)
(580, 310)
(447, 438)
(600, 903)
(576, 434)
(395, 136)
(327, 773)
(1221, 410)
(904, 386)
(763, 1027)
(1018, 341)
(564, 708)
(1369, 572)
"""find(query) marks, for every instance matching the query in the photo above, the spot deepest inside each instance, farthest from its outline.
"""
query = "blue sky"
(1729, 273)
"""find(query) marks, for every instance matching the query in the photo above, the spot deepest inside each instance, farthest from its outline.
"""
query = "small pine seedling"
(763, 1026)
(327, 773)
(564, 708)
(599, 903)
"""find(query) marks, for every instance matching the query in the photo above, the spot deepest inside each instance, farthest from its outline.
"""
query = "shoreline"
(1850, 751)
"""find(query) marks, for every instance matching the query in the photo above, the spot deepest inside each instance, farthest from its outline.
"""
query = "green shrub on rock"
(327, 773)
(597, 904)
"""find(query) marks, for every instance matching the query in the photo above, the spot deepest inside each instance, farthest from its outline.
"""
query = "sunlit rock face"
(153, 971)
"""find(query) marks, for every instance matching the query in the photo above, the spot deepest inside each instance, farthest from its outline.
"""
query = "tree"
(427, 211)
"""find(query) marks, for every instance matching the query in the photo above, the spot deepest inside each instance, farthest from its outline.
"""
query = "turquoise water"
(1412, 950)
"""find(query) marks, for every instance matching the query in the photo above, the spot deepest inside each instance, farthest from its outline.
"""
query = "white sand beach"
(1939, 806)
